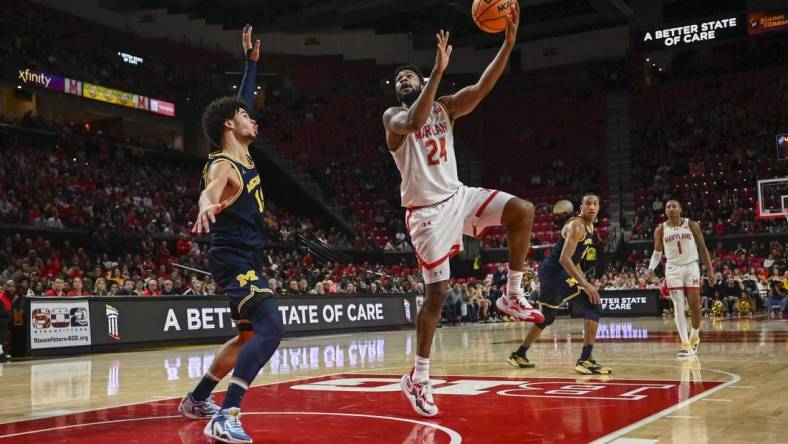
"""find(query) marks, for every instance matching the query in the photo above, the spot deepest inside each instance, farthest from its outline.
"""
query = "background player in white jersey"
(440, 209)
(681, 239)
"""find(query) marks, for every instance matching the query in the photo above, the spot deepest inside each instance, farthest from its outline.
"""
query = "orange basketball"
(490, 15)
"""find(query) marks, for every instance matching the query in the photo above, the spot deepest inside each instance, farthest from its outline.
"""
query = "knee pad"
(593, 312)
(549, 317)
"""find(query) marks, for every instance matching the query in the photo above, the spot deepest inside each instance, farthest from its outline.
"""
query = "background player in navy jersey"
(231, 210)
(562, 279)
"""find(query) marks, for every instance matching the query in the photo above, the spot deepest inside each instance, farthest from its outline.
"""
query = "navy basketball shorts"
(556, 286)
(238, 274)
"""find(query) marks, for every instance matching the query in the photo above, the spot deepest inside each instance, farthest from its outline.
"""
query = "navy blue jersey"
(240, 224)
(585, 249)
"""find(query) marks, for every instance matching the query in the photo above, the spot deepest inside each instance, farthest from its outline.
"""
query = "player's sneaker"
(686, 351)
(419, 395)
(694, 342)
(194, 409)
(518, 361)
(591, 367)
(519, 308)
(225, 426)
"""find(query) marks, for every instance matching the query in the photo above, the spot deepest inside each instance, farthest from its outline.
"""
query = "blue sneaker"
(194, 409)
(225, 426)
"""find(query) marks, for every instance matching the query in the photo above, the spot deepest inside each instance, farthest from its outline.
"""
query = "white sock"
(1, 349)
(514, 282)
(694, 331)
(421, 371)
(678, 314)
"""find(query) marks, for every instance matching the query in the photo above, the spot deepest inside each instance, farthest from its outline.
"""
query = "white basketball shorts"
(436, 230)
(682, 277)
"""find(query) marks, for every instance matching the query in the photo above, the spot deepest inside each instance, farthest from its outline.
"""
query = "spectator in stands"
(58, 288)
(777, 298)
(7, 298)
(151, 288)
(76, 288)
(100, 287)
(731, 293)
(167, 287)
(127, 289)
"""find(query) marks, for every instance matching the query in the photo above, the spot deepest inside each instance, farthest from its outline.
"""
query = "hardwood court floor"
(345, 389)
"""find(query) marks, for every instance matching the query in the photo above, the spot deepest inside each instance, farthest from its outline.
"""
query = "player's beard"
(409, 98)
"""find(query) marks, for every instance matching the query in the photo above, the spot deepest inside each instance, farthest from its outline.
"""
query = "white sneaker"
(686, 351)
(519, 308)
(419, 395)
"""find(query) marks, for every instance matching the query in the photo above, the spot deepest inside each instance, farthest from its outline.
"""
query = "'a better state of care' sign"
(692, 33)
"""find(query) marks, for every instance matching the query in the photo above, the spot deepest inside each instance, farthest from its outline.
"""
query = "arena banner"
(59, 324)
(693, 33)
(127, 320)
(104, 94)
(161, 107)
(625, 303)
(763, 22)
(31, 77)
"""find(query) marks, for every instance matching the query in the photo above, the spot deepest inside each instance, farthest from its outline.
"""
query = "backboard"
(772, 194)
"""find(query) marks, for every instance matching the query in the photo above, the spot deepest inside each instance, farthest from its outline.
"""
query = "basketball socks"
(522, 351)
(694, 331)
(205, 387)
(586, 353)
(267, 324)
(679, 308)
(513, 282)
(421, 371)
(235, 392)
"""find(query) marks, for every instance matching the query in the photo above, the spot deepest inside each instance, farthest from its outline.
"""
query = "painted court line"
(716, 400)
(633, 441)
(664, 413)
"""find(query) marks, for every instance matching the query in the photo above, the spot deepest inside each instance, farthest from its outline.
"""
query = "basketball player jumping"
(561, 279)
(440, 209)
(681, 239)
(231, 210)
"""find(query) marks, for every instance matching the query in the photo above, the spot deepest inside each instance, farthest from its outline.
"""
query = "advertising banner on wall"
(625, 303)
(35, 78)
(693, 33)
(763, 22)
(123, 320)
(59, 324)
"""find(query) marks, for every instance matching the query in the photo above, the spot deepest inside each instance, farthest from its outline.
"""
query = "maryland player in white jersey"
(439, 208)
(681, 239)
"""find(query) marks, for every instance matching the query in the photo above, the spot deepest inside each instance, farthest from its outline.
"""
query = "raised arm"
(465, 100)
(697, 233)
(251, 56)
(575, 232)
(402, 121)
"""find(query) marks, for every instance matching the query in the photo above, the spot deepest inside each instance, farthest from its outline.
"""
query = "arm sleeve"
(656, 256)
(248, 84)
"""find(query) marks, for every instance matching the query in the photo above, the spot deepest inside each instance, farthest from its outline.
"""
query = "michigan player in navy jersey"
(561, 279)
(231, 210)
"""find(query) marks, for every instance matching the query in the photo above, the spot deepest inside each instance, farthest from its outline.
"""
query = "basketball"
(563, 206)
(490, 15)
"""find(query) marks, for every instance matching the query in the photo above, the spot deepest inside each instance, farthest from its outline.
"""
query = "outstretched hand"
(444, 52)
(513, 22)
(252, 53)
